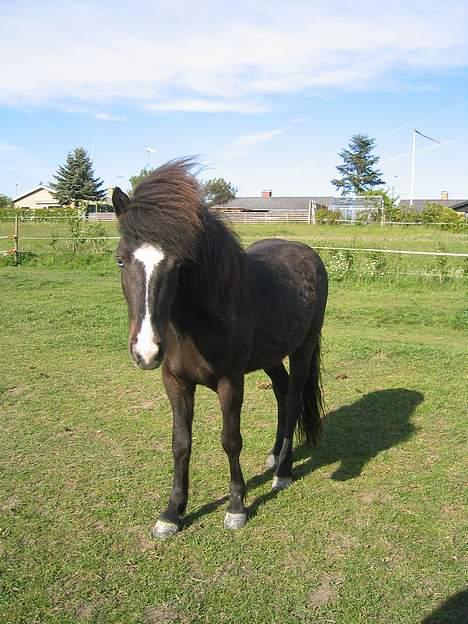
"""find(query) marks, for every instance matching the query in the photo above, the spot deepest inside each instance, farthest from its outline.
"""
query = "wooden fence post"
(16, 240)
(311, 213)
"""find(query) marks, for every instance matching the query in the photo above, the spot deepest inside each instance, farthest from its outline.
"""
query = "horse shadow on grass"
(353, 435)
(452, 611)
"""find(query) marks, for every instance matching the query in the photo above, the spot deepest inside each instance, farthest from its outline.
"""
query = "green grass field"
(48, 249)
(370, 532)
(417, 237)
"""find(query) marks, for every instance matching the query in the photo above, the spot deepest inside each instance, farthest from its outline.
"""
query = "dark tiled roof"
(273, 203)
(419, 204)
(462, 205)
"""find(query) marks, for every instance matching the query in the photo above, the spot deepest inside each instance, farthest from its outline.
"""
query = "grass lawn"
(48, 250)
(371, 531)
(416, 237)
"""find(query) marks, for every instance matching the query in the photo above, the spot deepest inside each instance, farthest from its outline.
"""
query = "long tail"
(309, 427)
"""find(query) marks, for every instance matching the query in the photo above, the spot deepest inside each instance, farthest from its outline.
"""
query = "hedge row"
(432, 213)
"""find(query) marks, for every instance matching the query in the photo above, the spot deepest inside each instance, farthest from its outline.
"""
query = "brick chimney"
(267, 193)
(444, 195)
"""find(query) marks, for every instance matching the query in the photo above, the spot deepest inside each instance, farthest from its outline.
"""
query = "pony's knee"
(232, 444)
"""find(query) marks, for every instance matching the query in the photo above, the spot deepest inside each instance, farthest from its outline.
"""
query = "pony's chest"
(203, 363)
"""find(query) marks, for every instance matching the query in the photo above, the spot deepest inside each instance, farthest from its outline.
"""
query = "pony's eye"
(120, 262)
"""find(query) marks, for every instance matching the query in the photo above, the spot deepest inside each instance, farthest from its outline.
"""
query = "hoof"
(271, 462)
(281, 483)
(163, 529)
(234, 521)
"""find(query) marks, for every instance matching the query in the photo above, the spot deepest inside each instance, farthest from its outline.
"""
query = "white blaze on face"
(145, 345)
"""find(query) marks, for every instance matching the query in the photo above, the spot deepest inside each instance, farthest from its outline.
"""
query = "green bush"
(435, 213)
(325, 216)
(95, 231)
(40, 215)
(401, 215)
(24, 257)
(432, 213)
(341, 264)
(375, 265)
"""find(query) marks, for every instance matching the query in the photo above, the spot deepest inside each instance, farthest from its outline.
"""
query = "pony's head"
(160, 229)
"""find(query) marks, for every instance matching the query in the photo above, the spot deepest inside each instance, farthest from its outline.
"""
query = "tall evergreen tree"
(358, 169)
(75, 181)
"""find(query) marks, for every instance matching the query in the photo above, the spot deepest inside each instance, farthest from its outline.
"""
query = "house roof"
(461, 205)
(40, 187)
(273, 203)
(420, 204)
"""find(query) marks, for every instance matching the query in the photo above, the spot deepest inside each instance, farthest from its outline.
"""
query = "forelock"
(167, 210)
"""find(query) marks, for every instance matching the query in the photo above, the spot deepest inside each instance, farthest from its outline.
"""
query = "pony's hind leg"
(181, 396)
(231, 393)
(299, 365)
(280, 380)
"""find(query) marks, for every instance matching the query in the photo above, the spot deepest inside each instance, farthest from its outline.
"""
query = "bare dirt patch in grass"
(163, 614)
(327, 592)
(85, 612)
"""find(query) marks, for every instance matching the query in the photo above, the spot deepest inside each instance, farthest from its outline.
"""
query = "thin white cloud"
(108, 117)
(420, 151)
(204, 57)
(245, 143)
(298, 120)
(91, 112)
(206, 106)
(7, 147)
(249, 140)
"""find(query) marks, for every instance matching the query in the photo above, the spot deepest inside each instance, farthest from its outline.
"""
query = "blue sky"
(266, 93)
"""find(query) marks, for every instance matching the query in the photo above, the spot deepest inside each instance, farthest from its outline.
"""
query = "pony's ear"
(120, 201)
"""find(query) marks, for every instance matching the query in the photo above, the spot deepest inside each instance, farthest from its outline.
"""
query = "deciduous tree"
(5, 201)
(139, 177)
(218, 191)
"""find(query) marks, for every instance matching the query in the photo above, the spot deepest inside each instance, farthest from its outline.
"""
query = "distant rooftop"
(420, 204)
(265, 204)
(37, 188)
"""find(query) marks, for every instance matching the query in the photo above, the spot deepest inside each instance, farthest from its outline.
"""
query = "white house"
(39, 197)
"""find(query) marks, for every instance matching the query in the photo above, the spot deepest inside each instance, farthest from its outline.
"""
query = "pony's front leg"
(181, 395)
(231, 393)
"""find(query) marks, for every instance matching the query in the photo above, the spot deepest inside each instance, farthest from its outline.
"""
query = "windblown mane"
(167, 210)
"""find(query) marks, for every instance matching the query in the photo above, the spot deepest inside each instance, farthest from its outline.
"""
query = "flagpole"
(412, 168)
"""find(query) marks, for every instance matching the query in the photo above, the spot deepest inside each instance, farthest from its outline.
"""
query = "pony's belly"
(259, 361)
(255, 365)
(272, 344)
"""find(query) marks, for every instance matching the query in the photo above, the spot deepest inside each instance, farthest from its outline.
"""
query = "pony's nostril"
(136, 356)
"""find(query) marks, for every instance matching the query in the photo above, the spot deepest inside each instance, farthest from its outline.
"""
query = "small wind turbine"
(149, 150)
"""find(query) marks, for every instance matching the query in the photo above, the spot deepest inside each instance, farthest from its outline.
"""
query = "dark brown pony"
(209, 312)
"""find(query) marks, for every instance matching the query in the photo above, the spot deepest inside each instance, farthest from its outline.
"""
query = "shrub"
(75, 224)
(375, 264)
(96, 231)
(341, 264)
(39, 215)
(435, 213)
(325, 216)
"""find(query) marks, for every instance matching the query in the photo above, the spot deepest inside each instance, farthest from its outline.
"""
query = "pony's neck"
(216, 281)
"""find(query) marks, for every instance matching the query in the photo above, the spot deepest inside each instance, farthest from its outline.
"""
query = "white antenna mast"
(415, 132)
(149, 150)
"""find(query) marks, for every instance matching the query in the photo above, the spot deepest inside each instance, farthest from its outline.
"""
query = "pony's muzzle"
(146, 359)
